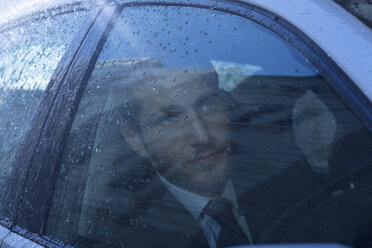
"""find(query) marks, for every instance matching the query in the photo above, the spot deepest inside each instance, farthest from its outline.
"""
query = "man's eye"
(168, 117)
(209, 103)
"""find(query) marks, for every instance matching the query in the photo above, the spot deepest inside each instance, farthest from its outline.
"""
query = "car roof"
(346, 40)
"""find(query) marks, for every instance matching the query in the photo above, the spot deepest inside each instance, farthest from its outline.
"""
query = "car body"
(333, 41)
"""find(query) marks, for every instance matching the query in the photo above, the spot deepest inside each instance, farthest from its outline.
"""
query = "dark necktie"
(231, 234)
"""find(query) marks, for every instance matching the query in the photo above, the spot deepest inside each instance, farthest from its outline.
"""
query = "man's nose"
(198, 127)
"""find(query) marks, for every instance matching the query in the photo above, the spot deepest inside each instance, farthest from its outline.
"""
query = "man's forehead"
(180, 82)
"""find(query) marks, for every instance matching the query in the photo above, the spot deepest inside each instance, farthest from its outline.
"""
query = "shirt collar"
(195, 203)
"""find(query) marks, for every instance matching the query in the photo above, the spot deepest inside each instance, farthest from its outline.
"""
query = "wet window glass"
(199, 128)
(29, 55)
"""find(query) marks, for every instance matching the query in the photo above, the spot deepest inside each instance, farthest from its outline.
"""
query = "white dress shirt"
(195, 204)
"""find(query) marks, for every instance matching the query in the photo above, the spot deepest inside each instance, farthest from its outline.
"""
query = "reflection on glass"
(210, 141)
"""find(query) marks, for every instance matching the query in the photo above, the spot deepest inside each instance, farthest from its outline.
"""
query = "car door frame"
(51, 121)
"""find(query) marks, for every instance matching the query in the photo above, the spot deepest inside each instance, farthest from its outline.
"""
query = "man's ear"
(134, 140)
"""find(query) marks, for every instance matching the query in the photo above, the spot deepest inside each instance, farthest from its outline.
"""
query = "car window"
(29, 55)
(200, 128)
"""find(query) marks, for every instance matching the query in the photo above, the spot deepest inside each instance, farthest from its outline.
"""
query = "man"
(180, 190)
(184, 131)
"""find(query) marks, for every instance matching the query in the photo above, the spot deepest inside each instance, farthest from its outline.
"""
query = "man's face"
(184, 127)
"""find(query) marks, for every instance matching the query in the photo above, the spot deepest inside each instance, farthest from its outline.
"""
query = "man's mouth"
(203, 160)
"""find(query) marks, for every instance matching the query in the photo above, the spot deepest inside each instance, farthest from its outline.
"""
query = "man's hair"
(128, 113)
(112, 82)
(119, 79)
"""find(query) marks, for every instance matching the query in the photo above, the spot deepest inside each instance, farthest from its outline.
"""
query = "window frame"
(42, 134)
(38, 160)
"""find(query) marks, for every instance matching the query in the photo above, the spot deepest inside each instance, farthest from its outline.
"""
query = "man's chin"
(205, 183)
(205, 179)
